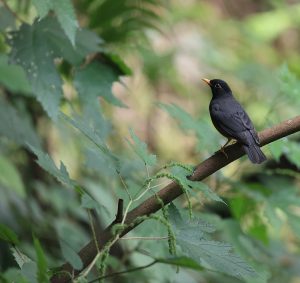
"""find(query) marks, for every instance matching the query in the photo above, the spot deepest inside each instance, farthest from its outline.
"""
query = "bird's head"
(218, 87)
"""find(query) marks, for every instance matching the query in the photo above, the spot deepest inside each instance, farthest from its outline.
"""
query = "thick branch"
(173, 190)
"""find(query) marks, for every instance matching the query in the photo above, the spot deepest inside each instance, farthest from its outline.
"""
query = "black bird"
(232, 121)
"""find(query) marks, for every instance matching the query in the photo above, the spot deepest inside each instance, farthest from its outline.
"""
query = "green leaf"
(66, 17)
(119, 64)
(42, 6)
(181, 174)
(42, 266)
(65, 13)
(16, 126)
(35, 47)
(93, 134)
(29, 271)
(8, 235)
(46, 162)
(207, 253)
(96, 80)
(206, 136)
(88, 202)
(140, 149)
(31, 50)
(7, 19)
(10, 177)
(181, 261)
(19, 257)
(289, 84)
(70, 255)
(13, 77)
(206, 190)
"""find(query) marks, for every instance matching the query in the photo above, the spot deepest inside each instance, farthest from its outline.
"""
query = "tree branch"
(173, 190)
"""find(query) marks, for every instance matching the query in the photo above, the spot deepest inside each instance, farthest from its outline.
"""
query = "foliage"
(100, 101)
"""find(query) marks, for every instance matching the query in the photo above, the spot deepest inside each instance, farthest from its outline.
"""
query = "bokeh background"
(169, 46)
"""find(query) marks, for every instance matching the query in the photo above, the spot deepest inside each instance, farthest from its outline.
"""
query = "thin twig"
(144, 238)
(123, 272)
(119, 215)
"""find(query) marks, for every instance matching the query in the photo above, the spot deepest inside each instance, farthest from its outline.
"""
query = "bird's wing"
(237, 125)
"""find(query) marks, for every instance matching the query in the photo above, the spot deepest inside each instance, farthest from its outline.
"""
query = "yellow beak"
(206, 81)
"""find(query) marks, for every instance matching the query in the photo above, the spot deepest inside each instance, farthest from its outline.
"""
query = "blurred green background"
(153, 55)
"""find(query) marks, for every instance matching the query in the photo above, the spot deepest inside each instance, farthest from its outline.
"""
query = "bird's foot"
(222, 149)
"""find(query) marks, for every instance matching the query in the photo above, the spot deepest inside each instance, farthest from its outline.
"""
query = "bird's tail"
(254, 153)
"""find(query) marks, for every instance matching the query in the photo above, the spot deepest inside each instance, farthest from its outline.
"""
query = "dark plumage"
(232, 121)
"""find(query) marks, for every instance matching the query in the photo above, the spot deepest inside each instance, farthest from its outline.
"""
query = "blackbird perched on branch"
(232, 121)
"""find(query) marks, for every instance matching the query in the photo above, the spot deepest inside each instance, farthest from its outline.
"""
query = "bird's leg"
(222, 148)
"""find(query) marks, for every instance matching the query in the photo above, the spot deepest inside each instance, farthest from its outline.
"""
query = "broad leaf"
(210, 254)
(182, 174)
(203, 129)
(64, 11)
(92, 133)
(70, 255)
(140, 149)
(96, 80)
(46, 162)
(35, 47)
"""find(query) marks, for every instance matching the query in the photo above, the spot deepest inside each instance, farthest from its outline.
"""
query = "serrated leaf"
(210, 254)
(16, 126)
(96, 80)
(10, 177)
(42, 265)
(66, 17)
(13, 77)
(46, 162)
(182, 174)
(8, 235)
(141, 150)
(43, 7)
(35, 47)
(64, 11)
(203, 129)
(19, 257)
(31, 50)
(206, 190)
(92, 133)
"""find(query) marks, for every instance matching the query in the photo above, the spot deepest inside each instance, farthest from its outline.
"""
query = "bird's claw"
(223, 151)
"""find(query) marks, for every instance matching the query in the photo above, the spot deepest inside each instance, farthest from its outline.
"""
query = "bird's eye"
(218, 86)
